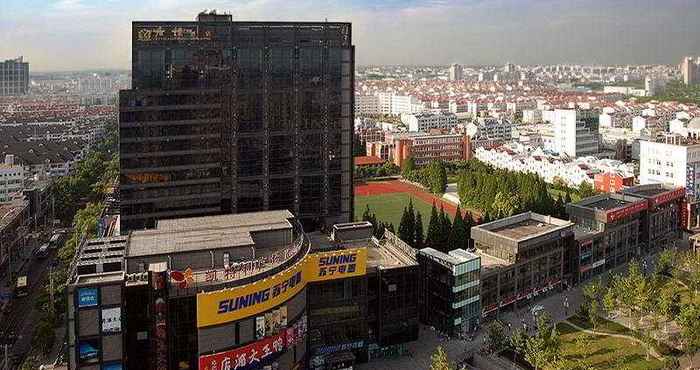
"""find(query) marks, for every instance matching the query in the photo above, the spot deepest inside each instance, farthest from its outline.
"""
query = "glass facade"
(230, 117)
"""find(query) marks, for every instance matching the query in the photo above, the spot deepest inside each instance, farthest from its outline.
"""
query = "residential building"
(672, 160)
(572, 136)
(14, 77)
(367, 105)
(425, 122)
(689, 70)
(608, 182)
(522, 257)
(490, 129)
(15, 223)
(456, 73)
(449, 290)
(229, 117)
(11, 180)
(661, 222)
(532, 116)
(654, 85)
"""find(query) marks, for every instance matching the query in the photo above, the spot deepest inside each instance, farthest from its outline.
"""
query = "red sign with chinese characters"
(254, 353)
(668, 196)
(617, 214)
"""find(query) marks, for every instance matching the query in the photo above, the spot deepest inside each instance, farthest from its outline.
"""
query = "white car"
(536, 310)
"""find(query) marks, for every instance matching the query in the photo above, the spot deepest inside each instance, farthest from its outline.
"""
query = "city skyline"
(90, 34)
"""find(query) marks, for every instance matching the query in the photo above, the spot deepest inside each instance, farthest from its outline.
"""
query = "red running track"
(396, 186)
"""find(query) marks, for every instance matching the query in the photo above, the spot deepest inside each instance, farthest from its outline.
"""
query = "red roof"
(368, 160)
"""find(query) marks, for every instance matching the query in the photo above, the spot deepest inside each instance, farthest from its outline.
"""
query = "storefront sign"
(336, 264)
(598, 263)
(87, 297)
(171, 34)
(254, 353)
(227, 305)
(112, 320)
(669, 196)
(325, 350)
(617, 214)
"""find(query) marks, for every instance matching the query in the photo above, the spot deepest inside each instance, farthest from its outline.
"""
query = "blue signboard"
(87, 297)
(117, 366)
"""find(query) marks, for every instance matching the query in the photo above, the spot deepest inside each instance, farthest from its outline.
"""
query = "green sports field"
(389, 207)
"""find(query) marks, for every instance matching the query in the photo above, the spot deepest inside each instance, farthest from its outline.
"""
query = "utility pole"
(51, 304)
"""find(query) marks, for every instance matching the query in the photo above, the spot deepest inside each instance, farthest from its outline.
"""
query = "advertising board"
(226, 305)
(87, 297)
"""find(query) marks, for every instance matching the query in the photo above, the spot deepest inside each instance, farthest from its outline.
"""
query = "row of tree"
(442, 234)
(651, 298)
(501, 193)
(387, 169)
(433, 176)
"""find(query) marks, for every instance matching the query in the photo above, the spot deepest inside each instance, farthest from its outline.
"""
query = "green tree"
(407, 167)
(445, 229)
(437, 177)
(542, 348)
(458, 233)
(586, 190)
(407, 231)
(496, 337)
(690, 326)
(665, 262)
(419, 238)
(432, 239)
(668, 304)
(439, 360)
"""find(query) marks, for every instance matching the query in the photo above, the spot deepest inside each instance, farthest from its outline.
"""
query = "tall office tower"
(232, 117)
(456, 72)
(689, 70)
(14, 77)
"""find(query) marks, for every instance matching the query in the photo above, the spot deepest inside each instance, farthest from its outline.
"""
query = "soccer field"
(389, 207)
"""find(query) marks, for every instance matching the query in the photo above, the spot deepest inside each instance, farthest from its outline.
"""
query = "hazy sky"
(81, 34)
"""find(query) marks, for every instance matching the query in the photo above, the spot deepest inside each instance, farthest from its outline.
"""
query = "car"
(536, 310)
(42, 252)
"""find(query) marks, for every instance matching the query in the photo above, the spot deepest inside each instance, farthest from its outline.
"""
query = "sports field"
(387, 199)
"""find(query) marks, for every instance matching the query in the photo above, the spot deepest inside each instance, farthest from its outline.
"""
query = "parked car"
(43, 251)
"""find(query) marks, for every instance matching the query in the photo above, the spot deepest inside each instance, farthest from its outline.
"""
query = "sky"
(57, 35)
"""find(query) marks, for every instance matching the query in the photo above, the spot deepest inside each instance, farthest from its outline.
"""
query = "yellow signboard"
(226, 305)
(335, 265)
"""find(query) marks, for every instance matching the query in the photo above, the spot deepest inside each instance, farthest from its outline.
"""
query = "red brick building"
(611, 182)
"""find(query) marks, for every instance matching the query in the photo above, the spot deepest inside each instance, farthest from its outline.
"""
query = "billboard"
(626, 211)
(87, 297)
(112, 320)
(226, 305)
(337, 264)
(260, 327)
(253, 354)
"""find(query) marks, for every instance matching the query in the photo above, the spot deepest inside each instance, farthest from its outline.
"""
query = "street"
(18, 320)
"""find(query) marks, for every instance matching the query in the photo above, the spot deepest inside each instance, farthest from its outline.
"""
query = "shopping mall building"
(243, 291)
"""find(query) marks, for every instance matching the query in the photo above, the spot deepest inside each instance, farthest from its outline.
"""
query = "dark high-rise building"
(231, 117)
(14, 77)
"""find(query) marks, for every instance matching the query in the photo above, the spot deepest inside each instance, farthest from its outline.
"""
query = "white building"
(11, 180)
(456, 72)
(571, 137)
(532, 116)
(490, 129)
(427, 121)
(367, 105)
(674, 161)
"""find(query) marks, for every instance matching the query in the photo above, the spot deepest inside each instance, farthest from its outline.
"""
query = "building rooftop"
(9, 211)
(210, 232)
(523, 226)
(390, 252)
(606, 204)
(368, 160)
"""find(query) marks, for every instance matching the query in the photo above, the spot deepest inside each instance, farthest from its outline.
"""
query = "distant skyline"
(56, 35)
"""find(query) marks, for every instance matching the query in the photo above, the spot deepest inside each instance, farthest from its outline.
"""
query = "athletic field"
(387, 199)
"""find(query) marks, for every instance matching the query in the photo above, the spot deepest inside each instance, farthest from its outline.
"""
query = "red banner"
(616, 214)
(252, 354)
(668, 196)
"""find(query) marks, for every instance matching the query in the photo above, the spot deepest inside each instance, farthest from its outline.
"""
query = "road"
(20, 318)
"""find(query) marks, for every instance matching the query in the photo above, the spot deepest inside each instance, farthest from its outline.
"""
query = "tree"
(496, 338)
(586, 190)
(567, 199)
(458, 233)
(432, 239)
(690, 326)
(439, 360)
(437, 177)
(419, 238)
(407, 231)
(668, 304)
(505, 205)
(665, 262)
(408, 166)
(445, 229)
(543, 347)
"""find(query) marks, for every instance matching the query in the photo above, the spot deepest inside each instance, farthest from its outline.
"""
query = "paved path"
(628, 337)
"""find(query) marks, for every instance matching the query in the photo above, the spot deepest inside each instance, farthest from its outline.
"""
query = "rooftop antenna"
(326, 20)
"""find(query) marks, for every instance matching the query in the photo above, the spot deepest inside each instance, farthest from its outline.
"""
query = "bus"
(21, 287)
